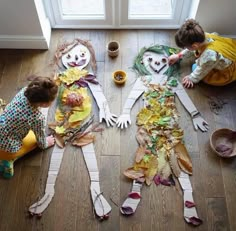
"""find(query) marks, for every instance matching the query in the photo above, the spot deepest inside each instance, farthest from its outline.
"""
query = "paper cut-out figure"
(73, 109)
(161, 153)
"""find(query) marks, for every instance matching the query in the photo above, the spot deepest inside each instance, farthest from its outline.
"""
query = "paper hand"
(104, 113)
(123, 121)
(200, 123)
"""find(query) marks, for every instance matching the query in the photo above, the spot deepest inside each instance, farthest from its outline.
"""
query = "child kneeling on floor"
(22, 125)
(215, 55)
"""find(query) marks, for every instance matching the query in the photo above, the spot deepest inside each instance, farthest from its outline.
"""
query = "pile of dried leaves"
(161, 153)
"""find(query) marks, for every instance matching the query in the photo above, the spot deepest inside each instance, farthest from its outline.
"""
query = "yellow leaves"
(152, 169)
(154, 104)
(60, 130)
(178, 133)
(74, 114)
(145, 168)
(59, 116)
(143, 116)
(71, 75)
(79, 115)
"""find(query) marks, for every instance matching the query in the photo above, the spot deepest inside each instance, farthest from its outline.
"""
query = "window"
(117, 13)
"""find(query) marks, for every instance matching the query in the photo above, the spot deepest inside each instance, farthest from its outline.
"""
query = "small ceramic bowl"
(113, 49)
(119, 77)
(223, 142)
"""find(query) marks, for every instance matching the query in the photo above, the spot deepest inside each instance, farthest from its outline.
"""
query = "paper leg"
(190, 212)
(55, 163)
(101, 206)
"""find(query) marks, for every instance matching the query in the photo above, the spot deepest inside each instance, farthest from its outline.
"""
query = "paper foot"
(39, 207)
(131, 203)
(100, 204)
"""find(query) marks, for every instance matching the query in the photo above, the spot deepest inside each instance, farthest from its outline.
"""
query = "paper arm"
(136, 92)
(104, 111)
(198, 121)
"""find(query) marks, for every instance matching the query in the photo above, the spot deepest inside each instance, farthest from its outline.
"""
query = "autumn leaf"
(84, 140)
(134, 174)
(59, 116)
(143, 116)
(79, 115)
(60, 130)
(59, 141)
(184, 160)
(140, 154)
(189, 204)
(134, 195)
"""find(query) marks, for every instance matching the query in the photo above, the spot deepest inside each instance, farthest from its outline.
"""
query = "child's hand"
(173, 59)
(51, 140)
(187, 83)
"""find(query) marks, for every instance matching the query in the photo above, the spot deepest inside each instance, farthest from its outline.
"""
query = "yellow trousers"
(29, 143)
(223, 77)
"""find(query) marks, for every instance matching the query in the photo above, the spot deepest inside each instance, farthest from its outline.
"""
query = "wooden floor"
(161, 208)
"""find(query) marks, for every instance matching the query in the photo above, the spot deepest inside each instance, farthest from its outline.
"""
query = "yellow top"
(222, 45)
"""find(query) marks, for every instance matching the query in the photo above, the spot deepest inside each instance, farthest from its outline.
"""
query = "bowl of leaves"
(119, 77)
(223, 142)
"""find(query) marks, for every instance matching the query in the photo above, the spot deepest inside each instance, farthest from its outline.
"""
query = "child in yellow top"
(215, 55)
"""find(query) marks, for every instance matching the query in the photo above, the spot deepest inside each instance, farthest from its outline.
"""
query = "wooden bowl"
(223, 142)
(119, 77)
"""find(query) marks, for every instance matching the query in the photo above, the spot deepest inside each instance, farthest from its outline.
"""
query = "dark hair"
(41, 90)
(190, 32)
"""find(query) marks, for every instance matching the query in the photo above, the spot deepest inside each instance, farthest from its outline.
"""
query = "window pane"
(83, 8)
(150, 9)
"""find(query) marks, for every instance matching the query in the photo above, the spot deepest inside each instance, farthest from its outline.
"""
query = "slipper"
(131, 203)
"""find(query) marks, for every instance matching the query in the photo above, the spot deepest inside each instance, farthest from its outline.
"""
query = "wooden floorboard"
(161, 208)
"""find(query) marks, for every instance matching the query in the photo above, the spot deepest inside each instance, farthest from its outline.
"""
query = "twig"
(81, 129)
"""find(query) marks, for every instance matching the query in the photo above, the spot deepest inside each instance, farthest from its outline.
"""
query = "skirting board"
(23, 42)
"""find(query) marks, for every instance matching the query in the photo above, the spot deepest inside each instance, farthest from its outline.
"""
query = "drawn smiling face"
(155, 63)
(78, 56)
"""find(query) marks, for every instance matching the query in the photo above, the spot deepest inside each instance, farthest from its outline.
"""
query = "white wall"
(217, 16)
(23, 24)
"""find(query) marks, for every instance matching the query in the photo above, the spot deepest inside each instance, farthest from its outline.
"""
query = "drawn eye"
(164, 60)
(68, 56)
(82, 54)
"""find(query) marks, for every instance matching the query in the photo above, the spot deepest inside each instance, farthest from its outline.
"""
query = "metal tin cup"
(113, 48)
